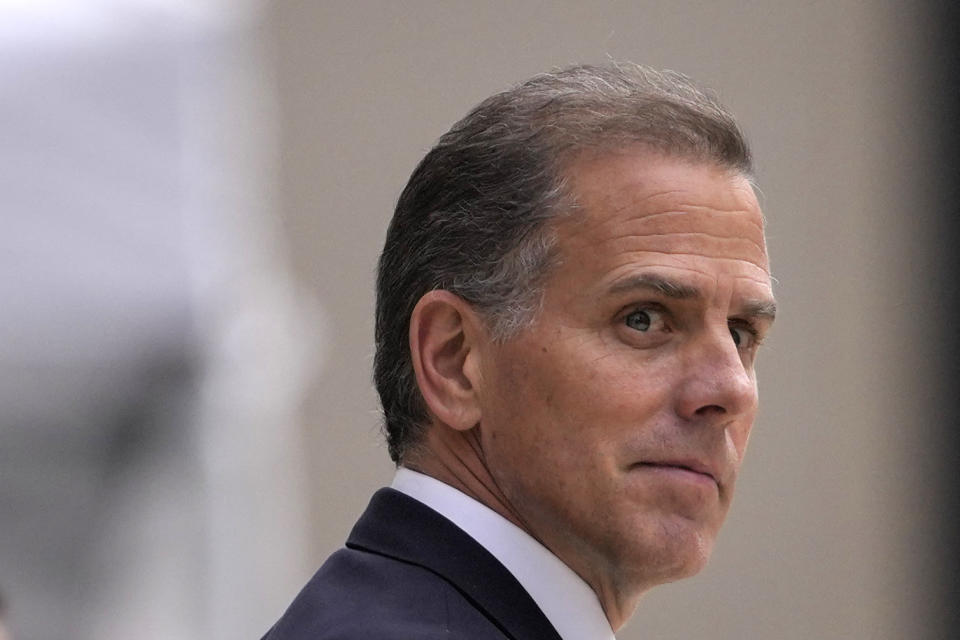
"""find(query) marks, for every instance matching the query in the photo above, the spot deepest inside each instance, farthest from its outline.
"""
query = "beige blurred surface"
(820, 542)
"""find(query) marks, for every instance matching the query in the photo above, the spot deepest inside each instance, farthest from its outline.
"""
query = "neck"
(456, 458)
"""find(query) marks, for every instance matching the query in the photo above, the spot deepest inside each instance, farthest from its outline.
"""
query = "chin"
(675, 552)
(691, 563)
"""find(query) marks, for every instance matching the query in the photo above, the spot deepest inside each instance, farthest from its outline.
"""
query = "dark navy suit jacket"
(408, 573)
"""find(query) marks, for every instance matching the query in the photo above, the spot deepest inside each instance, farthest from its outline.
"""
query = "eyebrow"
(760, 308)
(766, 309)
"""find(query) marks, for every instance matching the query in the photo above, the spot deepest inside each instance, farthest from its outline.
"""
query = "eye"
(644, 319)
(744, 337)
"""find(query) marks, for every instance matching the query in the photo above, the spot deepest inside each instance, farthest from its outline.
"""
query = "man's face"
(616, 423)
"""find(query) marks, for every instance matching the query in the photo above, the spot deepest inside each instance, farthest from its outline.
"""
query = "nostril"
(710, 408)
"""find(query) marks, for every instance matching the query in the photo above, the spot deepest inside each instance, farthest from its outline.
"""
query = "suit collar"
(400, 527)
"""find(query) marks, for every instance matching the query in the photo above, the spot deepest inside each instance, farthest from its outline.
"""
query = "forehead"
(644, 208)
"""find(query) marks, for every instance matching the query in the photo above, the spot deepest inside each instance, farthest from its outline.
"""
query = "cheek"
(541, 412)
(577, 397)
(629, 386)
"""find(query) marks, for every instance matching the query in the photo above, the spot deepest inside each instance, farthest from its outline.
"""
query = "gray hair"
(473, 219)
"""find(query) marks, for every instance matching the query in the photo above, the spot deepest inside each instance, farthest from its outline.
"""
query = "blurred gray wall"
(822, 541)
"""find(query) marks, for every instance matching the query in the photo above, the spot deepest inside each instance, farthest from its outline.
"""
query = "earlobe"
(444, 330)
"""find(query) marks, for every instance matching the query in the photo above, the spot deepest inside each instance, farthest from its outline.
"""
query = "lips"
(693, 466)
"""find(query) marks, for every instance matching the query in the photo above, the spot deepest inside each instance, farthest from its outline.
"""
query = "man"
(571, 297)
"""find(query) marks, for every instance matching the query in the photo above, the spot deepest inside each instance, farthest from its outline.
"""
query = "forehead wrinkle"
(760, 281)
(673, 198)
(636, 247)
(691, 230)
(695, 214)
(655, 195)
(637, 209)
(702, 234)
(631, 267)
(627, 214)
(711, 257)
(745, 213)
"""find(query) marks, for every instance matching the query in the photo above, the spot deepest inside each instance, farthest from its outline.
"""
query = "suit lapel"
(400, 527)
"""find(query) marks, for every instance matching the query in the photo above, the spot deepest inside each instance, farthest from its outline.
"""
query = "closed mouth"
(693, 467)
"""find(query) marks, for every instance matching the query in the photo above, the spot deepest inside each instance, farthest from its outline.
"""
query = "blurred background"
(193, 198)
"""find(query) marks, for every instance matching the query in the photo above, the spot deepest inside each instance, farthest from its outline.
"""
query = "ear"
(444, 335)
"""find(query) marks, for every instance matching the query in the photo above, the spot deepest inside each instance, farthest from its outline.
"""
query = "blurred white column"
(260, 337)
(154, 347)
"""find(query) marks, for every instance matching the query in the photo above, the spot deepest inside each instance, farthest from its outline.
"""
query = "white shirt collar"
(567, 601)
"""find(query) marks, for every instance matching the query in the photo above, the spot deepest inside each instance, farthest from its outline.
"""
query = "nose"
(716, 384)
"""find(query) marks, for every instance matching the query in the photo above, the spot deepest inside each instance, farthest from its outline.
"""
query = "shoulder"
(358, 594)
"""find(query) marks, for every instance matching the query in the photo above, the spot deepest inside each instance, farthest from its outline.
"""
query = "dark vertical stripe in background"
(944, 214)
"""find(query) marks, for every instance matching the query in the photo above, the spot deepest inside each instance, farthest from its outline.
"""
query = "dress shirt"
(567, 601)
